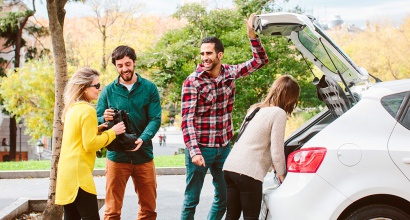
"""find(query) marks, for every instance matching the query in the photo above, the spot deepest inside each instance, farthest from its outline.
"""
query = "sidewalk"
(170, 188)
(169, 201)
(173, 143)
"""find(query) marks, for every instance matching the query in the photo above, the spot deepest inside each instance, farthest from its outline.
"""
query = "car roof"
(388, 87)
(394, 85)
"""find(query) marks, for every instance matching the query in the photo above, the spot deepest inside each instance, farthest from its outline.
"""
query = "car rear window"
(320, 51)
(406, 119)
(393, 102)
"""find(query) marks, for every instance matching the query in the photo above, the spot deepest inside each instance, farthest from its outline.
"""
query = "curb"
(15, 209)
(24, 205)
(99, 172)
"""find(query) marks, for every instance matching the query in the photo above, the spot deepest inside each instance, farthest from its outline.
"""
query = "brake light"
(306, 160)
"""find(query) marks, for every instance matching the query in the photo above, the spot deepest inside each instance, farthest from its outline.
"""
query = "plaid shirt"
(207, 102)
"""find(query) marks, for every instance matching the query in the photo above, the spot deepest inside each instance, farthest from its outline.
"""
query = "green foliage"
(168, 64)
(247, 7)
(29, 92)
(25, 95)
(283, 59)
(10, 25)
(176, 56)
(193, 12)
(26, 165)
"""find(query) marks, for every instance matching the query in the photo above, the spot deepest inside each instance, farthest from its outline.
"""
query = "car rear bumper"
(302, 196)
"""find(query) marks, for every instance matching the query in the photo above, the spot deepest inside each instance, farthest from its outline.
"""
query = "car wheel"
(379, 212)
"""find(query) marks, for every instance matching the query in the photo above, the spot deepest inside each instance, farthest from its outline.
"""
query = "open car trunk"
(336, 87)
(337, 103)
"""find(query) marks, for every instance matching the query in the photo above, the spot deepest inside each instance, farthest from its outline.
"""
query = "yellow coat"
(81, 141)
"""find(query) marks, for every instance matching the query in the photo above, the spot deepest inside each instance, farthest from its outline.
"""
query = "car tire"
(378, 211)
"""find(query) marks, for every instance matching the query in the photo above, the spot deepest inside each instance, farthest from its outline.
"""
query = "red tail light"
(306, 160)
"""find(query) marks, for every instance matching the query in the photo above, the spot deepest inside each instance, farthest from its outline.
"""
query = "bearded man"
(207, 102)
(140, 98)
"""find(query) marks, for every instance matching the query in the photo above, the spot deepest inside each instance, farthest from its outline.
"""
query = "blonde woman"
(260, 146)
(82, 138)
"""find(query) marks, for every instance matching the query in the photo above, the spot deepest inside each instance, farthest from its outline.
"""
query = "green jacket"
(143, 106)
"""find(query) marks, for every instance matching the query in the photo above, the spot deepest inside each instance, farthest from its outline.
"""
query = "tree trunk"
(56, 14)
(13, 138)
(104, 39)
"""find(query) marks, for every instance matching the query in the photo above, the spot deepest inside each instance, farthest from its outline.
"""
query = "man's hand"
(138, 144)
(251, 31)
(109, 114)
(198, 160)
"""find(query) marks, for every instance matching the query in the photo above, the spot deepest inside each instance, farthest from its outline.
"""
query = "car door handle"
(406, 160)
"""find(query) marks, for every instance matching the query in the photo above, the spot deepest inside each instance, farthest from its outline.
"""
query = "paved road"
(174, 141)
(170, 187)
(169, 202)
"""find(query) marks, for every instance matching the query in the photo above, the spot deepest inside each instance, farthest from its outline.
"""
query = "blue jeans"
(195, 175)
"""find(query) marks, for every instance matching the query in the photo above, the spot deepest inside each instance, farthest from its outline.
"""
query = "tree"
(31, 97)
(177, 54)
(109, 13)
(11, 29)
(246, 7)
(56, 15)
(382, 48)
(22, 97)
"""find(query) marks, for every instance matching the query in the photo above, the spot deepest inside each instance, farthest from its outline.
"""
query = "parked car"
(351, 160)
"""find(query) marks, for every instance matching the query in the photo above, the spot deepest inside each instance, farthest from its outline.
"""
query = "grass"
(160, 161)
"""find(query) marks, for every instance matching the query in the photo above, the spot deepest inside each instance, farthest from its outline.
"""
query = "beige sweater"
(260, 146)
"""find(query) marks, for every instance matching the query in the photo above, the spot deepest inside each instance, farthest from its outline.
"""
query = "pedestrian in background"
(140, 98)
(260, 146)
(207, 102)
(160, 137)
(164, 139)
(82, 138)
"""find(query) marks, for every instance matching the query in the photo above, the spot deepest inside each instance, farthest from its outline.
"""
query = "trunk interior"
(337, 103)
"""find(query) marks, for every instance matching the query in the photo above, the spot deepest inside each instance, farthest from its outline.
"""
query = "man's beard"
(212, 66)
(129, 78)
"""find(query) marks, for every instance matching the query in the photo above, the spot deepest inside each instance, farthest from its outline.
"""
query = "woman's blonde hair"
(283, 93)
(74, 90)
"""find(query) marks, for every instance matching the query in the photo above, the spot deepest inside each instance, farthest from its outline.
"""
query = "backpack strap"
(245, 123)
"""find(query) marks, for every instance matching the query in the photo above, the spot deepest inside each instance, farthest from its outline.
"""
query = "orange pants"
(145, 185)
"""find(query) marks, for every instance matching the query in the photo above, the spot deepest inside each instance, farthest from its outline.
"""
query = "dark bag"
(125, 141)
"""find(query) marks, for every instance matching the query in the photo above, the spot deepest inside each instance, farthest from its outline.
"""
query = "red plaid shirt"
(207, 102)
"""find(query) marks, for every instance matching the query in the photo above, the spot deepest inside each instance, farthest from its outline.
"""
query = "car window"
(392, 103)
(406, 119)
(323, 53)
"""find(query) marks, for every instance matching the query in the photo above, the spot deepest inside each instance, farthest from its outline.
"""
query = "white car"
(352, 160)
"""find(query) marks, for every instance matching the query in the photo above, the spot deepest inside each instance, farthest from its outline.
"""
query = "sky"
(356, 11)
(351, 11)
